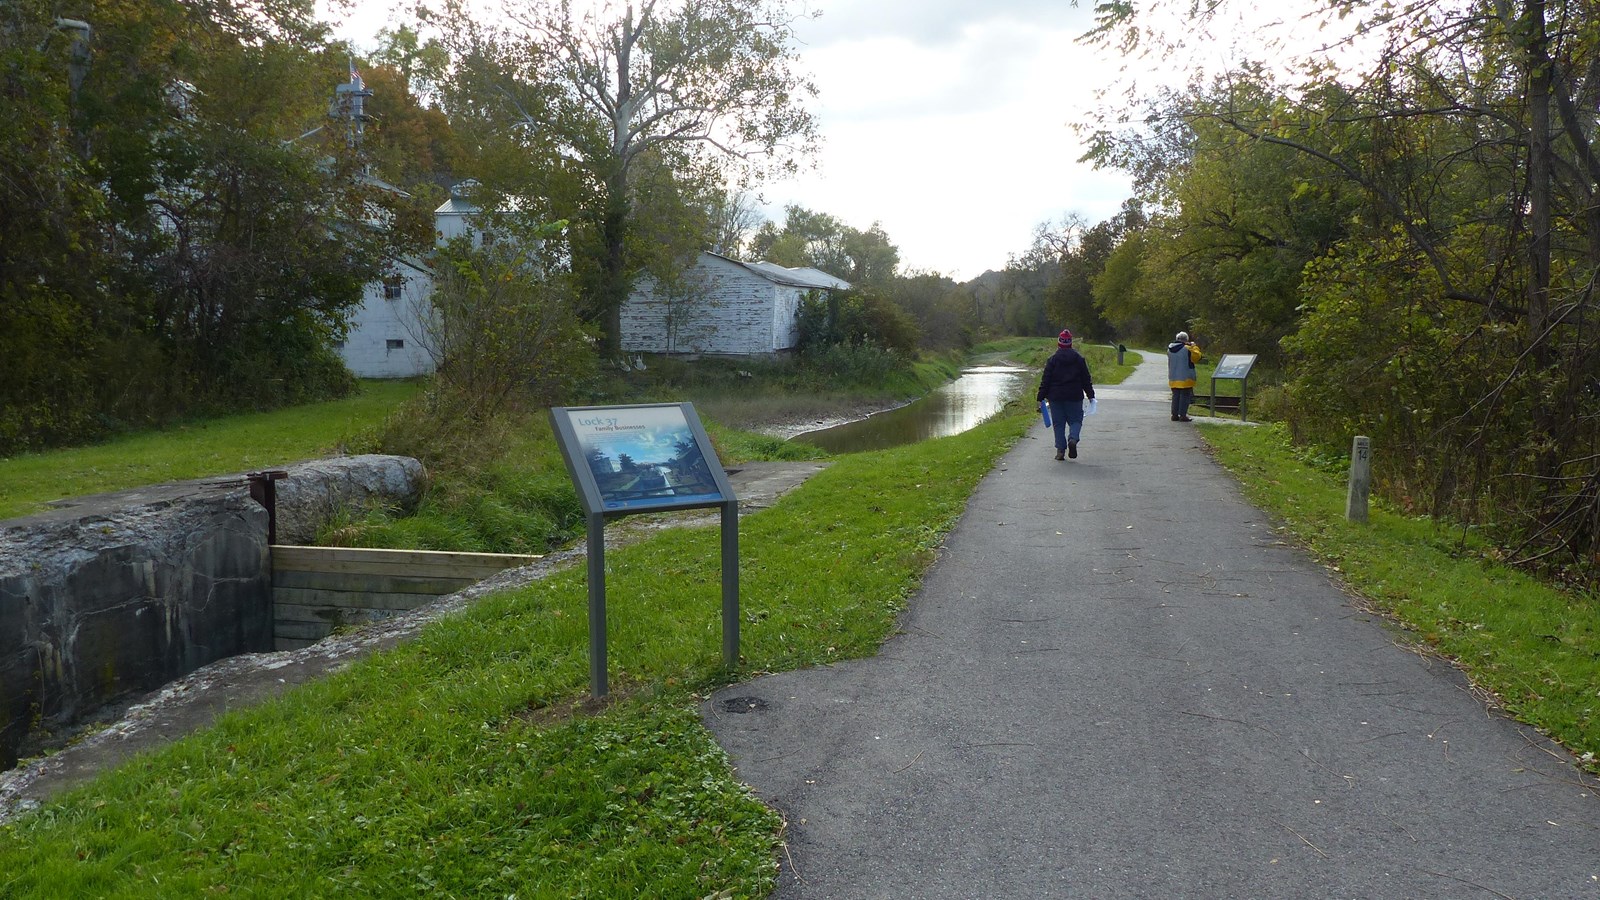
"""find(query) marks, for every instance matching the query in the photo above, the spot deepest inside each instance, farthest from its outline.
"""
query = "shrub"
(503, 334)
(854, 317)
(861, 364)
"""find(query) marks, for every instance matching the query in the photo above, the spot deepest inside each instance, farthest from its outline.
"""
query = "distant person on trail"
(1065, 384)
(1182, 354)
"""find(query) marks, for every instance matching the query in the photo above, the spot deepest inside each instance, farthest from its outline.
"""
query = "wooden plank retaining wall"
(318, 589)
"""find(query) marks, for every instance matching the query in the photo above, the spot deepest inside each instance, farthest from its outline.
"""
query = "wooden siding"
(378, 321)
(721, 308)
(318, 589)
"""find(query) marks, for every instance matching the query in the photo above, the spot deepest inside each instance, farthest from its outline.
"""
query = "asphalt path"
(1117, 681)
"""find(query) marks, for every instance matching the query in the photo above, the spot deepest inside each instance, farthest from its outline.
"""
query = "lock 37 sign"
(639, 458)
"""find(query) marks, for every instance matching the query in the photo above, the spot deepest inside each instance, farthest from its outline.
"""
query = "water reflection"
(962, 404)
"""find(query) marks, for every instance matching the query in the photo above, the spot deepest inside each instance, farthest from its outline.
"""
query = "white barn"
(722, 307)
(385, 337)
(383, 340)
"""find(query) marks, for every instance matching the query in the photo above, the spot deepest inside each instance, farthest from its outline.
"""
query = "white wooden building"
(386, 338)
(722, 307)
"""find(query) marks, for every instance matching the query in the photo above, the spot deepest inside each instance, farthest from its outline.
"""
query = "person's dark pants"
(1066, 418)
(1181, 398)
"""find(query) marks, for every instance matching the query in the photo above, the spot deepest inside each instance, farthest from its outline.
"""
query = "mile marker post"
(1355, 504)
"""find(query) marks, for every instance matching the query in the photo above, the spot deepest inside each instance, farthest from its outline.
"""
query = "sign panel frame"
(675, 468)
(595, 439)
(1234, 367)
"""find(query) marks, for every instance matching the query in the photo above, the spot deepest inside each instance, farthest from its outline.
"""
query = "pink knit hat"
(1065, 340)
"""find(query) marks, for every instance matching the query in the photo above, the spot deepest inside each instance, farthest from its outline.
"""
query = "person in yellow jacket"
(1182, 354)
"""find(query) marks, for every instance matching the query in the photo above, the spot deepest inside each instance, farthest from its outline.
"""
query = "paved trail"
(1118, 682)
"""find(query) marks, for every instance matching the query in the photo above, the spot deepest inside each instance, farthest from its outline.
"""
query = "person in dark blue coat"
(1065, 384)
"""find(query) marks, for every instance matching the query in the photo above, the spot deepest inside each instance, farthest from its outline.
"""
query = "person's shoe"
(1185, 419)
(1176, 419)
(1072, 450)
(1060, 456)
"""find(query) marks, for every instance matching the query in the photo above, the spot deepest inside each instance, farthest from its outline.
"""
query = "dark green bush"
(854, 317)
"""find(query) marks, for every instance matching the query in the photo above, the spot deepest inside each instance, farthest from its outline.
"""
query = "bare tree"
(734, 219)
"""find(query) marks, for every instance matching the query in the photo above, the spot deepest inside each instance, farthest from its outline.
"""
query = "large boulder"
(317, 491)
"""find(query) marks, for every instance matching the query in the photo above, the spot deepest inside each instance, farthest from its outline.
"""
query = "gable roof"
(803, 277)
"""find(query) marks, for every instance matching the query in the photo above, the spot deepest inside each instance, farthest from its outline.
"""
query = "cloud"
(932, 22)
(896, 78)
(948, 123)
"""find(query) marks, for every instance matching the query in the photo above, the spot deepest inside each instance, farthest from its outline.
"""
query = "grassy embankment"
(1535, 647)
(509, 492)
(749, 395)
(518, 500)
(453, 766)
(212, 447)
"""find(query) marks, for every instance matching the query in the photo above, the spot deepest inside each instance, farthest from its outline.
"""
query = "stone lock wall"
(107, 597)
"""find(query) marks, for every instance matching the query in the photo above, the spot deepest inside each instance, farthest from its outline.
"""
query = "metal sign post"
(598, 685)
(730, 583)
(656, 457)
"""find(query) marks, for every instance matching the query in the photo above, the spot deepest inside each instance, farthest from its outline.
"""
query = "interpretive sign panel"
(1234, 365)
(640, 458)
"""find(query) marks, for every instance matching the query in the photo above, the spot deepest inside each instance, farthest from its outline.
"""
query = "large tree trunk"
(1540, 179)
(616, 281)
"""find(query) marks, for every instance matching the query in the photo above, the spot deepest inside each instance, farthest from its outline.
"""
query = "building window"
(394, 344)
(392, 287)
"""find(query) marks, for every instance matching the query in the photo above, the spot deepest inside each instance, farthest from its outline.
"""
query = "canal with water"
(979, 393)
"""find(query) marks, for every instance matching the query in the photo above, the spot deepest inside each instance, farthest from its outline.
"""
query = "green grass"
(1102, 358)
(212, 447)
(522, 501)
(449, 766)
(1536, 647)
(1026, 350)
(1103, 364)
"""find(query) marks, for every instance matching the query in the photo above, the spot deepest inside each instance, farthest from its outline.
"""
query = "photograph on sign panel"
(644, 456)
(1234, 365)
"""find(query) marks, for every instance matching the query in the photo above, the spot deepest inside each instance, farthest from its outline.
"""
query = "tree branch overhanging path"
(1428, 181)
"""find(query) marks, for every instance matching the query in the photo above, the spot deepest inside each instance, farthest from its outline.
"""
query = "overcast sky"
(946, 121)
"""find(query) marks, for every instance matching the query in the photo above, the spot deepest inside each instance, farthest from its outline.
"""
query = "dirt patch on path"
(196, 700)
